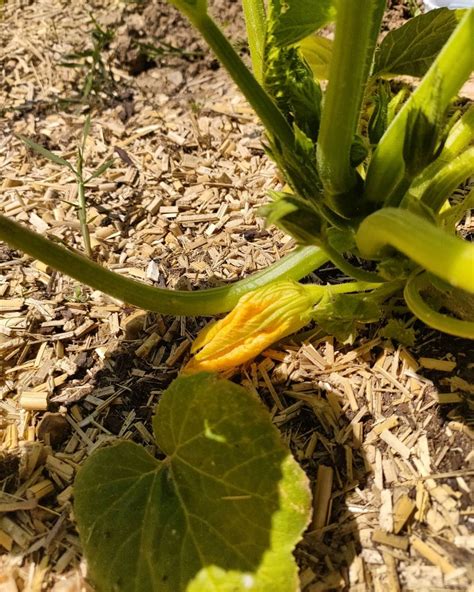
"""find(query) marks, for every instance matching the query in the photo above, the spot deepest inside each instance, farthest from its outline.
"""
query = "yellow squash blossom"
(260, 318)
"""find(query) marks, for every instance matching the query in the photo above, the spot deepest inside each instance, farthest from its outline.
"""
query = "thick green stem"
(445, 255)
(442, 322)
(459, 138)
(460, 135)
(203, 302)
(449, 71)
(450, 217)
(357, 26)
(400, 192)
(254, 12)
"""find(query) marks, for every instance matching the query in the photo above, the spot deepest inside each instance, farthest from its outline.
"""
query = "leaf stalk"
(207, 302)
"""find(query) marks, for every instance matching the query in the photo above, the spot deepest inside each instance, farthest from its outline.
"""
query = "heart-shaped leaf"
(221, 513)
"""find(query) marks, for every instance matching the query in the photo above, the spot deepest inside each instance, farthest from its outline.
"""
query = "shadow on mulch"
(140, 386)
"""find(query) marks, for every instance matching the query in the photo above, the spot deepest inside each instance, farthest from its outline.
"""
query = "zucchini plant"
(369, 177)
(369, 173)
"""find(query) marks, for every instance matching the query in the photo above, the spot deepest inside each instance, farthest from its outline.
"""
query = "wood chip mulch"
(382, 431)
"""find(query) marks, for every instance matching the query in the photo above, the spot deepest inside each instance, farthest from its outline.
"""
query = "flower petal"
(260, 318)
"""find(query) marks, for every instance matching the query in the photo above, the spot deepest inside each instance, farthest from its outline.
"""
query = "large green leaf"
(295, 19)
(412, 48)
(221, 513)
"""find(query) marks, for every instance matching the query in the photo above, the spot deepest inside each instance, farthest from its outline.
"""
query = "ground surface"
(178, 208)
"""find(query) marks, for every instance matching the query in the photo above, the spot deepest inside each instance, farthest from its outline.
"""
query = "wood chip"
(395, 444)
(403, 509)
(150, 342)
(322, 497)
(391, 540)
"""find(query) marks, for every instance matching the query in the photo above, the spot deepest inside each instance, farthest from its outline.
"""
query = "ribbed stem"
(269, 114)
(254, 12)
(448, 178)
(349, 269)
(342, 288)
(357, 25)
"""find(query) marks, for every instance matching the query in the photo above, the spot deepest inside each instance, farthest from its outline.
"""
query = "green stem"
(448, 178)
(445, 255)
(449, 71)
(384, 291)
(268, 112)
(343, 288)
(452, 215)
(349, 269)
(459, 138)
(254, 12)
(82, 211)
(400, 191)
(357, 25)
(212, 301)
(442, 322)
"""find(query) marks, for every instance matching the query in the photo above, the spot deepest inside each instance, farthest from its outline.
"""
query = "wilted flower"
(260, 318)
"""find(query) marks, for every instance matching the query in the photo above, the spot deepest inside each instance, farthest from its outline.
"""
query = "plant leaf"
(317, 51)
(293, 215)
(221, 512)
(396, 330)
(295, 19)
(101, 169)
(192, 8)
(290, 81)
(411, 49)
(45, 152)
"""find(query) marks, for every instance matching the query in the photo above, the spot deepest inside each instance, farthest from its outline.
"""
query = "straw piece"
(431, 555)
(435, 364)
(322, 497)
(6, 540)
(34, 401)
(145, 348)
(395, 444)
(391, 540)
